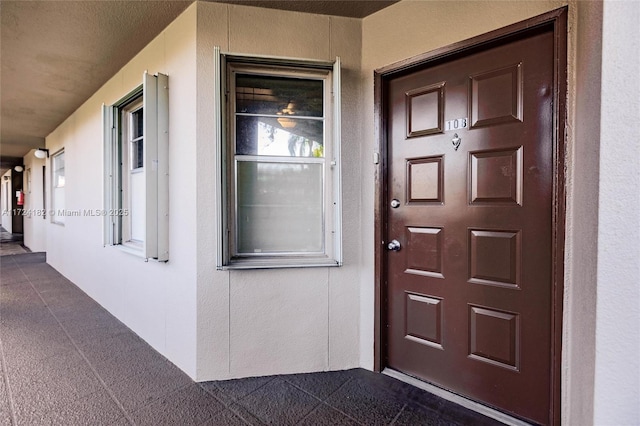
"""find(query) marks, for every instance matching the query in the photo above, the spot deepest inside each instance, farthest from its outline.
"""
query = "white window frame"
(329, 73)
(130, 204)
(28, 179)
(57, 189)
(155, 103)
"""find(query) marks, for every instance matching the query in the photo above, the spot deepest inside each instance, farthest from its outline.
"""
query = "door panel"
(470, 150)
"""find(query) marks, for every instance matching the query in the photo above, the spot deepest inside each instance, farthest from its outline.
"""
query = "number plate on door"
(458, 123)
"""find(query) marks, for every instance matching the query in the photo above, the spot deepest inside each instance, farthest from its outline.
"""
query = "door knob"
(394, 245)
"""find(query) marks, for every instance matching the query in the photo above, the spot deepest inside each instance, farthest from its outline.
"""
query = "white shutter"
(336, 175)
(111, 224)
(156, 166)
(219, 114)
(150, 123)
(163, 167)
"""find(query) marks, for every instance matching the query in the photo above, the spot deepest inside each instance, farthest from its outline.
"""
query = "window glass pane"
(137, 142)
(136, 206)
(137, 159)
(58, 198)
(58, 161)
(136, 123)
(58, 204)
(258, 94)
(280, 208)
(274, 137)
(58, 171)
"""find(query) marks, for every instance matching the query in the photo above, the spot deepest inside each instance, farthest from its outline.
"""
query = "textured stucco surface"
(292, 320)
(34, 223)
(156, 300)
(582, 212)
(617, 372)
(582, 174)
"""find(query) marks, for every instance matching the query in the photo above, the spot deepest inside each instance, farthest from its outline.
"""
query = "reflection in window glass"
(280, 142)
(260, 94)
(137, 123)
(265, 136)
(137, 158)
(137, 139)
(58, 171)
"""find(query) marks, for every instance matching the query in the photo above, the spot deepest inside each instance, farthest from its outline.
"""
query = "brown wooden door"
(469, 291)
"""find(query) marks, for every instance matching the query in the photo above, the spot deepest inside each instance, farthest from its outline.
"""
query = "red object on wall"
(21, 198)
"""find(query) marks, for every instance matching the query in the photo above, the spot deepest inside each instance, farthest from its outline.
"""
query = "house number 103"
(458, 123)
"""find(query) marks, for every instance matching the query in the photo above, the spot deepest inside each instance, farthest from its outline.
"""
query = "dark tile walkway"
(11, 243)
(6, 236)
(64, 360)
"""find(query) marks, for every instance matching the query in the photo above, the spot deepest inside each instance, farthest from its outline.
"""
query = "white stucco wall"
(277, 321)
(156, 300)
(35, 222)
(578, 345)
(617, 372)
(213, 324)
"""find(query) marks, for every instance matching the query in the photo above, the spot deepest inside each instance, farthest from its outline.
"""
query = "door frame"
(556, 21)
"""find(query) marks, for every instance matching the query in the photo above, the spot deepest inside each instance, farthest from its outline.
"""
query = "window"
(136, 165)
(279, 160)
(6, 211)
(132, 196)
(28, 178)
(57, 186)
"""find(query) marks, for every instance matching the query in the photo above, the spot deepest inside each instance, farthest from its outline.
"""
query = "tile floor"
(64, 360)
(11, 243)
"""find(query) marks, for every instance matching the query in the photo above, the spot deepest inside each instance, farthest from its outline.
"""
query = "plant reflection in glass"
(274, 141)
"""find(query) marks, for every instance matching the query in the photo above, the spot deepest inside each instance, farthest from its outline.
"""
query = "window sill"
(279, 264)
(135, 251)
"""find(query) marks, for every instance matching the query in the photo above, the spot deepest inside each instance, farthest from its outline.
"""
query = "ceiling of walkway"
(55, 54)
